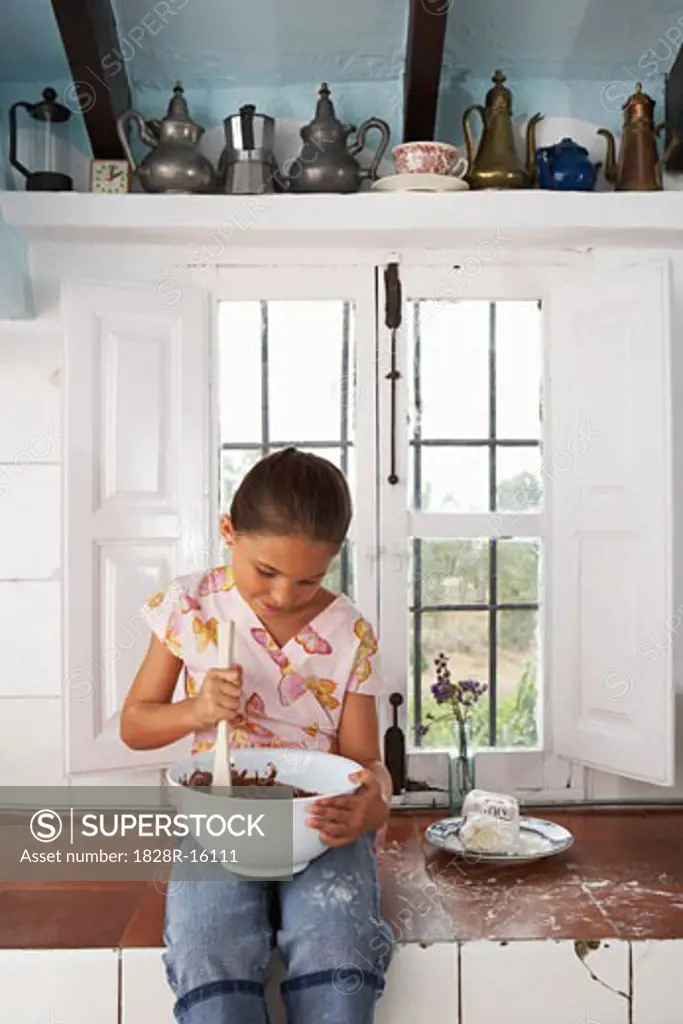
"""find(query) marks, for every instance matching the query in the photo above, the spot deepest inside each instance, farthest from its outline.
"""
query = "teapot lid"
(499, 95)
(567, 143)
(324, 110)
(639, 104)
(177, 107)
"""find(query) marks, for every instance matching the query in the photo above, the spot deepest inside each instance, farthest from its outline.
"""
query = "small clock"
(110, 176)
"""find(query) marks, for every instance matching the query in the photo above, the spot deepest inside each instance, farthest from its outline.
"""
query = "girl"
(307, 676)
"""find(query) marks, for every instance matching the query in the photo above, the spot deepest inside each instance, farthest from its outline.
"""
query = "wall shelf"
(571, 220)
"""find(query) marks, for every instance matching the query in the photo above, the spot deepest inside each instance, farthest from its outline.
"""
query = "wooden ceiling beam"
(673, 110)
(100, 82)
(424, 58)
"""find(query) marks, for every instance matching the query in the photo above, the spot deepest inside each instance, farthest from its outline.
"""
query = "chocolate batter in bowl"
(300, 776)
(244, 778)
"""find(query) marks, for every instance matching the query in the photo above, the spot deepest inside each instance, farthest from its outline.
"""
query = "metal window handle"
(392, 285)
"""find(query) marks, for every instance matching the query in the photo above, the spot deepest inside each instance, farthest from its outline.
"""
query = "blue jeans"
(219, 937)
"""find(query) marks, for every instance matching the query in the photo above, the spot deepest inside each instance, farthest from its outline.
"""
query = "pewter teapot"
(327, 162)
(175, 164)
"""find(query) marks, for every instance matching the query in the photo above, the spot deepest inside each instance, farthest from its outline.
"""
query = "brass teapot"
(639, 167)
(175, 164)
(496, 164)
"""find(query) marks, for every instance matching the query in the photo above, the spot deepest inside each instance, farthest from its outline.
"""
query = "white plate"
(538, 839)
(420, 183)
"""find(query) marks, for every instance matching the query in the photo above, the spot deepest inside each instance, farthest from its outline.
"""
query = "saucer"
(538, 839)
(420, 183)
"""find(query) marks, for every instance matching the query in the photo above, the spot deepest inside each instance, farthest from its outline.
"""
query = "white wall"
(31, 685)
(30, 609)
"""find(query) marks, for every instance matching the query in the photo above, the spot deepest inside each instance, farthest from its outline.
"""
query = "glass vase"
(462, 769)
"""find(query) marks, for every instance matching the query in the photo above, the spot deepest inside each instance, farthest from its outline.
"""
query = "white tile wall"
(30, 391)
(145, 993)
(517, 983)
(30, 525)
(657, 982)
(59, 986)
(31, 749)
(422, 984)
(533, 982)
(31, 669)
(435, 998)
(539, 982)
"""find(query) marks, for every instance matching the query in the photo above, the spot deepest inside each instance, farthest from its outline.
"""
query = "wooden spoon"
(222, 776)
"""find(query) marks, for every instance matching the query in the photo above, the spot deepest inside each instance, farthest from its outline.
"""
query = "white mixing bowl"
(314, 770)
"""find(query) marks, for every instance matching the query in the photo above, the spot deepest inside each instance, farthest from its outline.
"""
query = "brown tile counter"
(623, 878)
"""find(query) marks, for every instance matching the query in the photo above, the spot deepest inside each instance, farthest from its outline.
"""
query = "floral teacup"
(429, 158)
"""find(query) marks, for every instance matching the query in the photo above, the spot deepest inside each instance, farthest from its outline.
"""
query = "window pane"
(234, 465)
(452, 479)
(239, 363)
(518, 370)
(517, 669)
(306, 379)
(520, 487)
(464, 638)
(453, 368)
(452, 572)
(517, 570)
(341, 574)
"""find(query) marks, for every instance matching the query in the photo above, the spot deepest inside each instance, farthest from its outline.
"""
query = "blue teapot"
(565, 167)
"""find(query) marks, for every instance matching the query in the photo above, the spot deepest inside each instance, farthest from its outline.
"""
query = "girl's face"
(277, 575)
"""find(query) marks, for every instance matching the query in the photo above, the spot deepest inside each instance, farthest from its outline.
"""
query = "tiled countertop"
(623, 878)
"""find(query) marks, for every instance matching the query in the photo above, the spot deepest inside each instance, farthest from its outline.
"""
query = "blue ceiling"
(222, 43)
(30, 45)
(282, 51)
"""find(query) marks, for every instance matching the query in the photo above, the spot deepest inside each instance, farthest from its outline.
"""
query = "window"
(463, 525)
(474, 451)
(486, 496)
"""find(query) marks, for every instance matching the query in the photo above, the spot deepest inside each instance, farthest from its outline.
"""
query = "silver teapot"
(175, 164)
(327, 162)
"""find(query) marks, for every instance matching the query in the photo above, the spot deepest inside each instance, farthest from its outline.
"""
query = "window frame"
(535, 772)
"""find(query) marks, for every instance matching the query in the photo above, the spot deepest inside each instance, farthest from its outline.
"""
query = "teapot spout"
(467, 130)
(610, 157)
(531, 165)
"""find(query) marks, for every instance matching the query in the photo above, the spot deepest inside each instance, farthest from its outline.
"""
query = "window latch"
(392, 319)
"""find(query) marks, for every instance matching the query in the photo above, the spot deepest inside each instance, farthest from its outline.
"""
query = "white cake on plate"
(491, 822)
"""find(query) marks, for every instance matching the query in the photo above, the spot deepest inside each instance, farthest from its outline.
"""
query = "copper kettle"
(496, 164)
(639, 167)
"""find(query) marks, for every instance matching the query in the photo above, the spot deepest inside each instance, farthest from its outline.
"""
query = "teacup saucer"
(420, 183)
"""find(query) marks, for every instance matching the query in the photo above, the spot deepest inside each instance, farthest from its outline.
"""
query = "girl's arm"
(358, 738)
(149, 718)
(343, 819)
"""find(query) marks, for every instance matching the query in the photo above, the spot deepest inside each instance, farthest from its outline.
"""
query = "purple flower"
(443, 691)
(421, 730)
(461, 695)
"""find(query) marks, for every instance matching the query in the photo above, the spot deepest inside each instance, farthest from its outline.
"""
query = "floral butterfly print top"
(293, 695)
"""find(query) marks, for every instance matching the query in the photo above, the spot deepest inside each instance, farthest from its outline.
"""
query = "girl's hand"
(342, 820)
(219, 696)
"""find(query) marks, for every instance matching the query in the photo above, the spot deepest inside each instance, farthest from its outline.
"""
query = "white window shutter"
(135, 495)
(608, 473)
